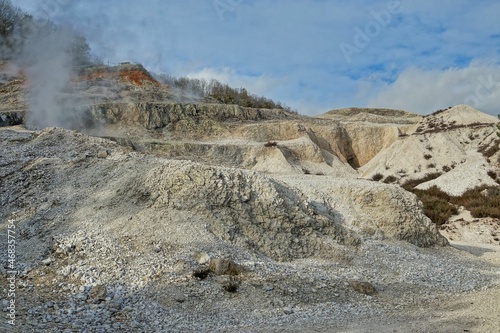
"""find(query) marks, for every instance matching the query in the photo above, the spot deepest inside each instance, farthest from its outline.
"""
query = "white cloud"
(424, 91)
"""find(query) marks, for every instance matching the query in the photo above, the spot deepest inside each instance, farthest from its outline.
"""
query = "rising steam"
(49, 68)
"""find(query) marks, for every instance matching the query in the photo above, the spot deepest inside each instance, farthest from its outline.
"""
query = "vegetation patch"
(378, 176)
(411, 184)
(201, 274)
(489, 150)
(390, 179)
(270, 144)
(436, 204)
(231, 286)
(439, 206)
(221, 92)
(482, 202)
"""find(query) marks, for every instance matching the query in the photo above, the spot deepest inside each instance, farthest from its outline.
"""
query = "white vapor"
(48, 66)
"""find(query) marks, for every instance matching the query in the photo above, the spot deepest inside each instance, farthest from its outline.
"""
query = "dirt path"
(477, 312)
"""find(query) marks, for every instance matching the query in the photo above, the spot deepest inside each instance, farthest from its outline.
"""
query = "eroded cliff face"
(329, 140)
(153, 116)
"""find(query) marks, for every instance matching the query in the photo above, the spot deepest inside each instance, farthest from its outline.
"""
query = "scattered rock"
(221, 266)
(98, 293)
(102, 153)
(201, 258)
(47, 261)
(363, 287)
(268, 288)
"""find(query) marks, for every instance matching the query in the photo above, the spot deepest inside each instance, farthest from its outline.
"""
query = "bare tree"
(11, 19)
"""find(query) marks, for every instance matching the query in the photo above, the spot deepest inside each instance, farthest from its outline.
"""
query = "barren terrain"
(160, 215)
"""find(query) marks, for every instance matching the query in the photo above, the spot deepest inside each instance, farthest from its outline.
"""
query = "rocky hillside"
(154, 211)
(115, 230)
(459, 146)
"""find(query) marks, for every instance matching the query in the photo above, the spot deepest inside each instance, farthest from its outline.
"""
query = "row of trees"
(18, 29)
(221, 92)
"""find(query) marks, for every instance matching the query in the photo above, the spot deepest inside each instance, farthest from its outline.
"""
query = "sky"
(312, 55)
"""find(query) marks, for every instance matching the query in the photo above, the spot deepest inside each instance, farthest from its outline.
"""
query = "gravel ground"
(91, 259)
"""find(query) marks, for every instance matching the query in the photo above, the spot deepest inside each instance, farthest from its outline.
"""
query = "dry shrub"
(270, 144)
(390, 179)
(436, 204)
(482, 201)
(480, 204)
(231, 286)
(201, 273)
(409, 185)
(489, 150)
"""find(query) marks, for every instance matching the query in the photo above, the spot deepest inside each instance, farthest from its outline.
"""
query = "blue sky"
(313, 55)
